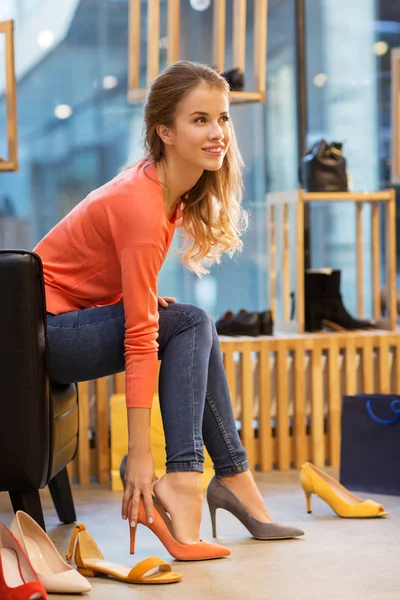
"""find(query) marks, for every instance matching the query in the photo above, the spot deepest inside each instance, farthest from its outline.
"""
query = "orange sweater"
(112, 245)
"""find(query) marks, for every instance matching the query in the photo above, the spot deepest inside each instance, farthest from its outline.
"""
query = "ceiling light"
(63, 111)
(45, 38)
(320, 79)
(110, 82)
(380, 48)
(200, 4)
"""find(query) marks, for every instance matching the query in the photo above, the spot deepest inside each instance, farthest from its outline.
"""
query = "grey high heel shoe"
(219, 496)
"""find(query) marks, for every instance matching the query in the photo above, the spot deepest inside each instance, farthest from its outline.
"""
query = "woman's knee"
(199, 318)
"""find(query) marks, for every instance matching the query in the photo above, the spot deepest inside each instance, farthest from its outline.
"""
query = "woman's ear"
(165, 134)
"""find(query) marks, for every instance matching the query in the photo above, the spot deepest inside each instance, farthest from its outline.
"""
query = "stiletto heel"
(162, 528)
(90, 562)
(343, 502)
(213, 515)
(132, 537)
(308, 496)
(220, 496)
(308, 490)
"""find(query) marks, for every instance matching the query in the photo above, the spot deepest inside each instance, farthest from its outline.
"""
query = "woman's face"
(202, 132)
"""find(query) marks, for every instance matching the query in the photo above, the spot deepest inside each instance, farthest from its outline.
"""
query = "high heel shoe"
(162, 528)
(18, 580)
(220, 496)
(344, 503)
(90, 562)
(53, 572)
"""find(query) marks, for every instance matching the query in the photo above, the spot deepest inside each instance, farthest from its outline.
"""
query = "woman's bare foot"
(181, 495)
(246, 491)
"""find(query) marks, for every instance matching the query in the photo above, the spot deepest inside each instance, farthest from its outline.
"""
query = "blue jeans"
(194, 396)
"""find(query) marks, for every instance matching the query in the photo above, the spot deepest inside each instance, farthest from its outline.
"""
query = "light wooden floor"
(337, 558)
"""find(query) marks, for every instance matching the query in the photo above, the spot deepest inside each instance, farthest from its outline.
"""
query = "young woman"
(101, 264)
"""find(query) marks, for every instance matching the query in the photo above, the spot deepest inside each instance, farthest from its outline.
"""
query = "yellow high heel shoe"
(344, 503)
(91, 563)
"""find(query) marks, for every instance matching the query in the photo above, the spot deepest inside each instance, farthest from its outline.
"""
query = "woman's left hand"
(165, 300)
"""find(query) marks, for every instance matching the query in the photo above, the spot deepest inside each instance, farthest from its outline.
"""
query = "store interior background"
(74, 54)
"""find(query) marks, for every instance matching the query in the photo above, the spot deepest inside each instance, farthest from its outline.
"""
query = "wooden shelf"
(219, 45)
(247, 97)
(380, 196)
(8, 165)
(240, 341)
(11, 163)
(282, 229)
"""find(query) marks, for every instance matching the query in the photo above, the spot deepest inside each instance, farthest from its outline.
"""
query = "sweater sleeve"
(140, 265)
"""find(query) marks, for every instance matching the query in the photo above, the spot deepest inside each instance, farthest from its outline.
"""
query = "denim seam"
(189, 316)
(220, 424)
(228, 471)
(189, 465)
(191, 372)
(192, 383)
(81, 325)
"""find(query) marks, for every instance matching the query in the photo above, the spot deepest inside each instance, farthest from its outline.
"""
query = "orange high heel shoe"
(18, 580)
(162, 528)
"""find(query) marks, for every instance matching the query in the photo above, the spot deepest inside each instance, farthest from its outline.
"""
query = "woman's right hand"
(139, 478)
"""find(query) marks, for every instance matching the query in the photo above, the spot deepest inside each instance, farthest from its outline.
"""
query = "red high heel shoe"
(18, 580)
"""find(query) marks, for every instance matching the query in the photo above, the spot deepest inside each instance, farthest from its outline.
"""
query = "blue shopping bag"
(370, 446)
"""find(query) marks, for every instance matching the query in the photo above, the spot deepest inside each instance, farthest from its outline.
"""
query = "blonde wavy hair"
(212, 215)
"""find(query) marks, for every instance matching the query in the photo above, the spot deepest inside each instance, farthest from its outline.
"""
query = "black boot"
(314, 299)
(324, 305)
(337, 316)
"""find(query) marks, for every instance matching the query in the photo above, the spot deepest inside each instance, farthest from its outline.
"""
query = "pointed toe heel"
(162, 528)
(18, 580)
(343, 503)
(220, 496)
(54, 573)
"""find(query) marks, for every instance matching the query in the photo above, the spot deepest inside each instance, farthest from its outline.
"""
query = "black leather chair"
(38, 420)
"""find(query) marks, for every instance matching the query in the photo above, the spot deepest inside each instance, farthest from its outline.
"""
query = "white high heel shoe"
(53, 572)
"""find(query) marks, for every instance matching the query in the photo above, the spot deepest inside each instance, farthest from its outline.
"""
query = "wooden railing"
(286, 394)
(92, 462)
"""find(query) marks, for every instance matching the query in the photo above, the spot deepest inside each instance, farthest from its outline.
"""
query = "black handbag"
(323, 168)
